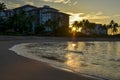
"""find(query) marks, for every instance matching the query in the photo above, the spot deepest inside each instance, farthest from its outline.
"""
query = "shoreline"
(9, 38)
(19, 48)
(14, 67)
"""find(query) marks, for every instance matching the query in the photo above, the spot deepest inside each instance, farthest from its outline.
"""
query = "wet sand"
(15, 67)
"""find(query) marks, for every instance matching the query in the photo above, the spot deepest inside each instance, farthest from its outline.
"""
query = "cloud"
(99, 13)
(58, 1)
(74, 16)
(94, 17)
(28, 2)
(89, 16)
(69, 2)
(13, 5)
(16, 3)
(13, 1)
(75, 3)
(117, 15)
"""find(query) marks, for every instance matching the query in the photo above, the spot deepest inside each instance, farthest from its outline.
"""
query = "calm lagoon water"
(100, 59)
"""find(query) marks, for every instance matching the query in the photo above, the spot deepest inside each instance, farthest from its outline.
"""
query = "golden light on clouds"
(58, 1)
(95, 11)
(17, 5)
(12, 5)
(75, 17)
(30, 3)
(96, 17)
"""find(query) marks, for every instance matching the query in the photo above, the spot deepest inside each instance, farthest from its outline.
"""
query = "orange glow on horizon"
(74, 29)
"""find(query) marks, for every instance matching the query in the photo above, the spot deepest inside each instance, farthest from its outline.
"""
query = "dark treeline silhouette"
(2, 6)
(92, 29)
(21, 24)
(2, 9)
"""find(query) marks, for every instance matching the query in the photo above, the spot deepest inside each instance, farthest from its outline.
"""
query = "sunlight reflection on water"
(93, 58)
(98, 58)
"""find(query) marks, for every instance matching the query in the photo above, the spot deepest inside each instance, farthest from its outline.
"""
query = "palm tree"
(12, 22)
(2, 9)
(2, 6)
(84, 24)
(27, 24)
(39, 29)
(48, 24)
(1, 20)
(55, 23)
(75, 25)
(114, 26)
(51, 24)
(20, 22)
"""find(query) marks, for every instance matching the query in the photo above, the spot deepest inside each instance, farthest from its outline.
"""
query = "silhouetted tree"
(48, 24)
(2, 6)
(13, 22)
(26, 22)
(75, 24)
(52, 25)
(113, 25)
(40, 29)
(20, 22)
(2, 10)
(62, 31)
(89, 28)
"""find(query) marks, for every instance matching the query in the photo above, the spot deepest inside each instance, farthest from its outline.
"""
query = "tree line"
(87, 25)
(22, 24)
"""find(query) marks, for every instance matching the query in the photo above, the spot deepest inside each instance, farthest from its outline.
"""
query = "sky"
(98, 11)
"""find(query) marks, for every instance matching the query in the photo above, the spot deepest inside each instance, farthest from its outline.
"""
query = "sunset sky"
(99, 11)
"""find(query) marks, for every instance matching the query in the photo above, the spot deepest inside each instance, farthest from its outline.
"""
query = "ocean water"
(98, 59)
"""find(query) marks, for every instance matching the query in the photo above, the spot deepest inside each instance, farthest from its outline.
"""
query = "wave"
(54, 60)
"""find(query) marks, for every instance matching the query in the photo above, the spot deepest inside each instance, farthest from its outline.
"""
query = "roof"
(48, 7)
(40, 8)
(26, 6)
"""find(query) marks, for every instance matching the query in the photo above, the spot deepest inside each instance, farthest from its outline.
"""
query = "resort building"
(41, 15)
(97, 29)
(2, 14)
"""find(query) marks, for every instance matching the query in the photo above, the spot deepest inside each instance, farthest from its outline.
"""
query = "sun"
(74, 29)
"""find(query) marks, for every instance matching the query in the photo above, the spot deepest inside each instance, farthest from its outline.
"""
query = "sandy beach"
(15, 67)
